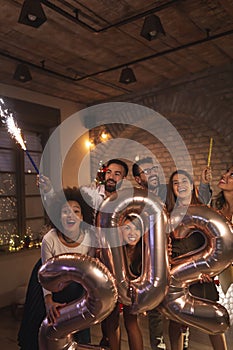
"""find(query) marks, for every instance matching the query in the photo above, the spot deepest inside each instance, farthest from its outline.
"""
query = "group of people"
(71, 233)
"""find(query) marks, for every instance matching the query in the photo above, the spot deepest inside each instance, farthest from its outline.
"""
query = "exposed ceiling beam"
(74, 18)
(43, 68)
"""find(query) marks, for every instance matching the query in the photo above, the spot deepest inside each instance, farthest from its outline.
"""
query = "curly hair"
(71, 194)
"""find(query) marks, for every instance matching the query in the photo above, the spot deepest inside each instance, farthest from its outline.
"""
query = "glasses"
(148, 171)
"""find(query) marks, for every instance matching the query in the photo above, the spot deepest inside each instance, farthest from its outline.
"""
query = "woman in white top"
(71, 217)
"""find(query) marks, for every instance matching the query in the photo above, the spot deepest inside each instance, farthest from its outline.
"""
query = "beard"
(153, 182)
(111, 186)
(151, 185)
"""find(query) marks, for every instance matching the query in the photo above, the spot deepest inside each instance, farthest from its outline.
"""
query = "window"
(34, 211)
(8, 198)
(21, 210)
(22, 216)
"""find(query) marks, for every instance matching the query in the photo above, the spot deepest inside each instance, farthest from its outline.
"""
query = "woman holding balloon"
(69, 211)
(130, 233)
(224, 203)
(132, 236)
(181, 193)
(70, 215)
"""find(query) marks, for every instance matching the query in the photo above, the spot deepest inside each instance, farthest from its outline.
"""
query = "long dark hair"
(219, 201)
(171, 198)
(136, 257)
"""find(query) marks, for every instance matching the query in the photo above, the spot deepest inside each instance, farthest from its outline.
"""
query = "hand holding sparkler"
(44, 183)
(12, 128)
(206, 175)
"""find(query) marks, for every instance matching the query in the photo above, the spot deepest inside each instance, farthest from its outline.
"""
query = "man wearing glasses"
(146, 174)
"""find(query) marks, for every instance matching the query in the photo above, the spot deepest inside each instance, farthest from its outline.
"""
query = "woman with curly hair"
(71, 232)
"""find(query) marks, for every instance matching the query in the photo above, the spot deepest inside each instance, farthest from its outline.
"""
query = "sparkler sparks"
(11, 125)
(14, 130)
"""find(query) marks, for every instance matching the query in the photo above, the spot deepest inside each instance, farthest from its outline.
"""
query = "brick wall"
(198, 109)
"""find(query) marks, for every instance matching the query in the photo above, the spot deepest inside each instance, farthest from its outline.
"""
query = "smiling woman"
(224, 200)
(182, 193)
(132, 237)
(181, 190)
(224, 203)
(70, 216)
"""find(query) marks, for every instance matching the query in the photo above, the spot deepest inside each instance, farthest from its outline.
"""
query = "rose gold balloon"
(149, 289)
(98, 302)
(215, 255)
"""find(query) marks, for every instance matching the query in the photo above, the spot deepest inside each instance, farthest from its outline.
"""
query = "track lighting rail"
(208, 38)
(74, 18)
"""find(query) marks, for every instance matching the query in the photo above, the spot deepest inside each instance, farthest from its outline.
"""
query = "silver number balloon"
(99, 300)
(211, 259)
(149, 289)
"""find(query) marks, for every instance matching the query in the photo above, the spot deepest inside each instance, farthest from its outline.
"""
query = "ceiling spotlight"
(152, 28)
(127, 76)
(22, 73)
(32, 13)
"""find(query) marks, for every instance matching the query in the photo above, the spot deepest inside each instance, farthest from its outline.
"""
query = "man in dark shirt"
(146, 174)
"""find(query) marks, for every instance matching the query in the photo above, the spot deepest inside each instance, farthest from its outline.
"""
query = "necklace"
(71, 241)
(66, 239)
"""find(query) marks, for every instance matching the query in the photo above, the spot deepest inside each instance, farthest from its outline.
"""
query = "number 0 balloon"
(149, 289)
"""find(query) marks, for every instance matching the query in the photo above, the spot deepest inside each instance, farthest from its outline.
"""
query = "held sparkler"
(15, 132)
(210, 151)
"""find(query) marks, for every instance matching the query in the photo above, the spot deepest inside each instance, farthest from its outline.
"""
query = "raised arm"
(205, 192)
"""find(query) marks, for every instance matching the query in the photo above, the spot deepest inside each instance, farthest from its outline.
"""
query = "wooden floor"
(9, 325)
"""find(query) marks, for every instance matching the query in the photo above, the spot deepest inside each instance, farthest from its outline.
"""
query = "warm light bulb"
(104, 135)
(89, 144)
(153, 33)
(32, 17)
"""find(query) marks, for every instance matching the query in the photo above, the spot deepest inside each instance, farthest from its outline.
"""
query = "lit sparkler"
(14, 130)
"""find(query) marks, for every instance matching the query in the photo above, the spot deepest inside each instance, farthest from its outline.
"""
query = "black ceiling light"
(152, 28)
(32, 13)
(127, 76)
(22, 73)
